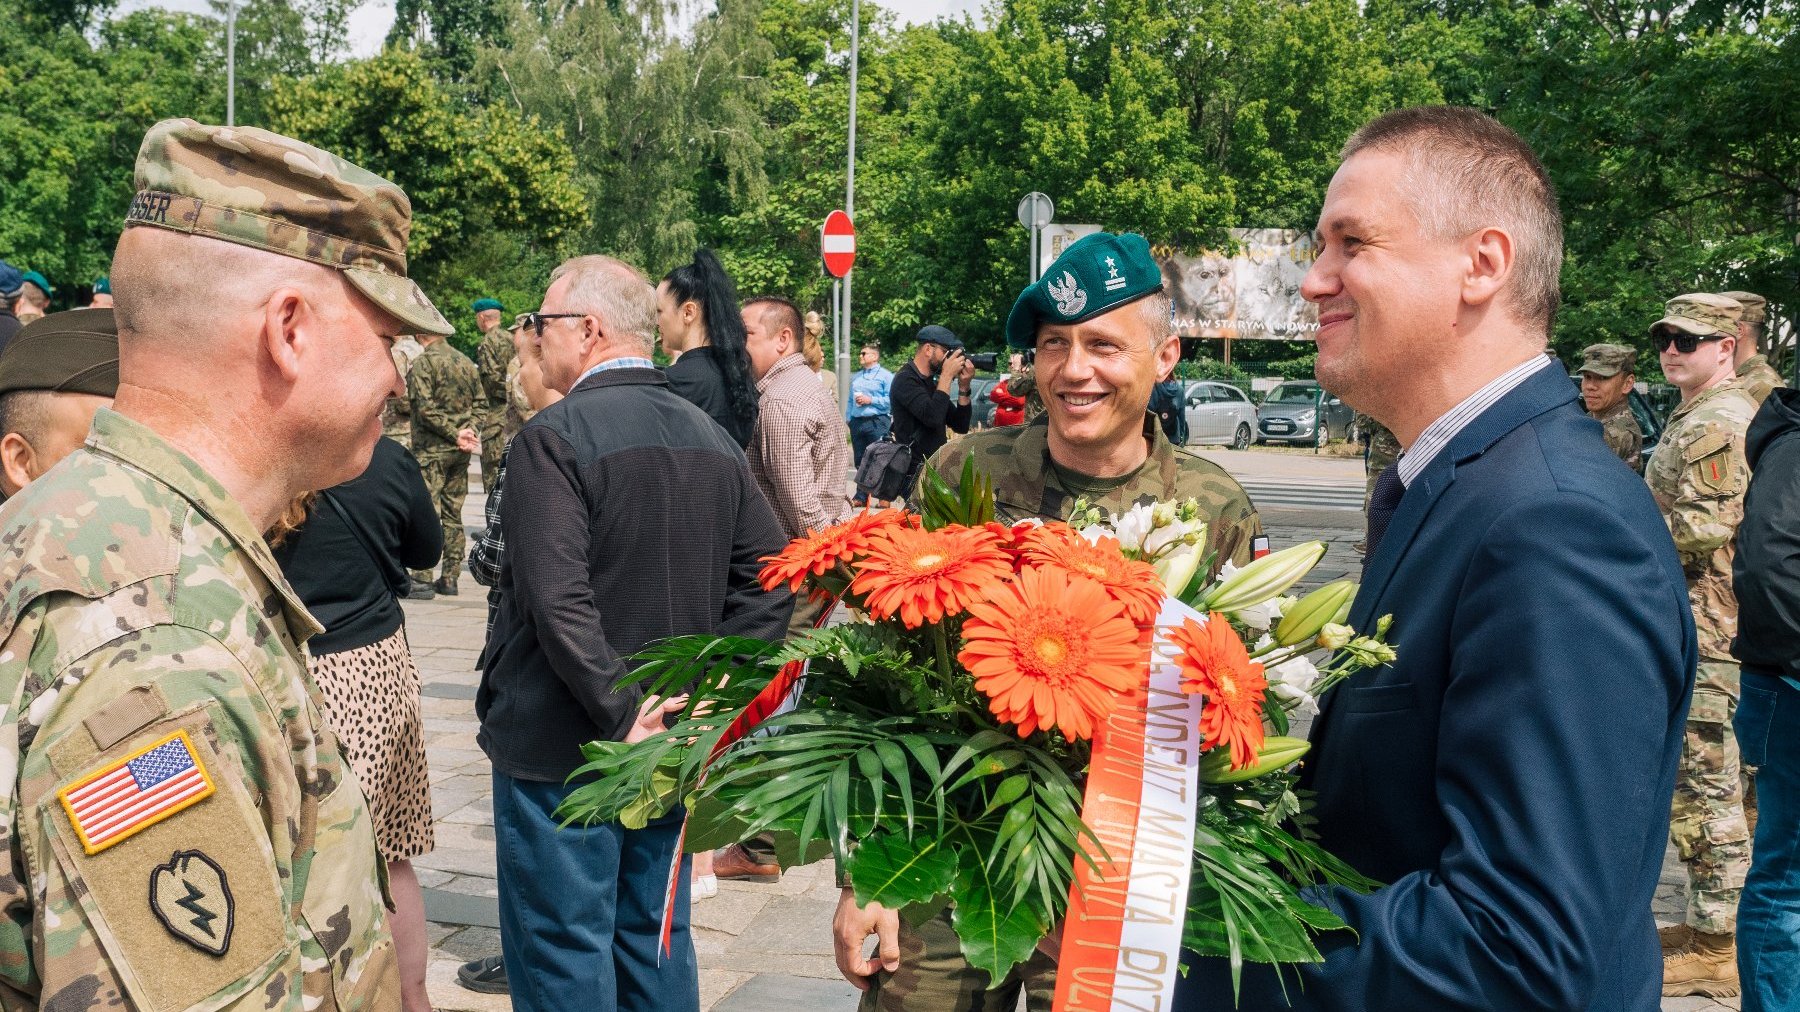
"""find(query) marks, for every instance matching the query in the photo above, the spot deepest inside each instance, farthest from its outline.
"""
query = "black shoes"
(486, 975)
(445, 585)
(419, 590)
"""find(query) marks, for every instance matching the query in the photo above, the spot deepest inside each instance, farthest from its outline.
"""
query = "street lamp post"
(231, 63)
(842, 351)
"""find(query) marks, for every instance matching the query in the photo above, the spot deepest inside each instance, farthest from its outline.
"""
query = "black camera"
(989, 361)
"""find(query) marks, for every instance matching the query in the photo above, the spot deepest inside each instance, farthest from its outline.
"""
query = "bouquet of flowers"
(938, 741)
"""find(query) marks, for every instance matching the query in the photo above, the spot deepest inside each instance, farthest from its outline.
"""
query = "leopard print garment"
(372, 699)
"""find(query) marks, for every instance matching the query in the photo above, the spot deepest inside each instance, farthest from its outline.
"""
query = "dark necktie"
(1382, 502)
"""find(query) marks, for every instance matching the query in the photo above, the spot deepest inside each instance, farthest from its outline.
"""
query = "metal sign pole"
(843, 358)
(231, 64)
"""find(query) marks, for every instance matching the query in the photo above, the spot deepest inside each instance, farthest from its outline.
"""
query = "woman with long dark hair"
(697, 316)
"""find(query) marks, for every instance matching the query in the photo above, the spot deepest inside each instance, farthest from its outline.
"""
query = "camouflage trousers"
(1707, 818)
(447, 479)
(491, 446)
(934, 977)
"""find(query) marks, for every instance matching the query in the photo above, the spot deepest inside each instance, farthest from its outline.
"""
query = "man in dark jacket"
(630, 517)
(1766, 576)
(11, 281)
(920, 395)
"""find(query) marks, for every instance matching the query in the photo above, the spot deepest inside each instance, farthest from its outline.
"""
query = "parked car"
(1301, 411)
(1219, 413)
(981, 410)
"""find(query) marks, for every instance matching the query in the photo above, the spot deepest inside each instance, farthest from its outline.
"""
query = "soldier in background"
(519, 400)
(34, 297)
(1754, 372)
(444, 389)
(183, 830)
(102, 294)
(53, 378)
(1698, 476)
(1380, 449)
(396, 414)
(492, 356)
(1607, 374)
(1114, 458)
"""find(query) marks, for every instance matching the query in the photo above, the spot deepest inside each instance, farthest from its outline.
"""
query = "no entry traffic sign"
(837, 244)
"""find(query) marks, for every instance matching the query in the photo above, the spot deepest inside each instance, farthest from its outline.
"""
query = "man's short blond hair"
(165, 281)
(615, 292)
(1468, 171)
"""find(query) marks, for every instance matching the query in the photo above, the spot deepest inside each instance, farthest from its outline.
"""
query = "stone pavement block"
(716, 984)
(444, 907)
(471, 885)
(473, 943)
(457, 861)
(768, 992)
(733, 909)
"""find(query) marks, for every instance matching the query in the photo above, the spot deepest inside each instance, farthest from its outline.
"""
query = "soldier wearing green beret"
(1607, 373)
(1101, 325)
(492, 357)
(34, 297)
(53, 377)
(102, 294)
(182, 826)
(1754, 373)
(1698, 475)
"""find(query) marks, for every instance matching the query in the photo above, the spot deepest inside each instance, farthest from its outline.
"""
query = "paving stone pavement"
(762, 948)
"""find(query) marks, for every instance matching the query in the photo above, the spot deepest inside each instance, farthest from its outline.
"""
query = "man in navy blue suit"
(1509, 777)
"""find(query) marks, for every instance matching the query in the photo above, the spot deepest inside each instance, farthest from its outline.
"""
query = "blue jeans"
(1768, 934)
(863, 431)
(581, 909)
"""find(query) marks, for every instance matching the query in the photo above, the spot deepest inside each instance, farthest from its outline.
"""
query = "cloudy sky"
(370, 22)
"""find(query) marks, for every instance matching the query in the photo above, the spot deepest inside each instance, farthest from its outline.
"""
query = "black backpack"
(885, 468)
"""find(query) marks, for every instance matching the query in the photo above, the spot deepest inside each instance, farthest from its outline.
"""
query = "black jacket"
(350, 588)
(921, 411)
(1766, 574)
(630, 517)
(700, 380)
(9, 324)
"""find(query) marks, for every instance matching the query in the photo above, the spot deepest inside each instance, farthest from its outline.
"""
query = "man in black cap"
(53, 377)
(920, 395)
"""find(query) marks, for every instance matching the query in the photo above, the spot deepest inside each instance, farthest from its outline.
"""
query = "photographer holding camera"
(920, 396)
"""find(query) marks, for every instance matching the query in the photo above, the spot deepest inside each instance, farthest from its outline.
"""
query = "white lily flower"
(1262, 617)
(1133, 527)
(1292, 681)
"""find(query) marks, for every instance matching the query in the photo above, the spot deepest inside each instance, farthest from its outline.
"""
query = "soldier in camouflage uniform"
(1381, 449)
(396, 414)
(518, 400)
(1754, 373)
(1039, 470)
(492, 357)
(1607, 373)
(1022, 382)
(1698, 477)
(183, 830)
(445, 390)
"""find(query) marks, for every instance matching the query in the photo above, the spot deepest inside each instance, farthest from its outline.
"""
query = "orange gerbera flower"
(818, 551)
(1052, 649)
(1215, 664)
(922, 576)
(1131, 581)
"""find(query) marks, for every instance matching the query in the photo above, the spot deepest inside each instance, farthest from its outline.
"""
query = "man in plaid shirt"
(800, 450)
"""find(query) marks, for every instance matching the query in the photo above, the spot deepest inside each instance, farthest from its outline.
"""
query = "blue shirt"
(873, 381)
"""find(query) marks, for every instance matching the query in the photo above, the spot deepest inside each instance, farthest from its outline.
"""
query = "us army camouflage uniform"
(1758, 377)
(1383, 450)
(492, 357)
(1698, 476)
(396, 412)
(445, 391)
(1623, 434)
(139, 602)
(933, 974)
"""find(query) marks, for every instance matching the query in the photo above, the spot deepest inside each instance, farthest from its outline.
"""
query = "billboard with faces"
(1252, 293)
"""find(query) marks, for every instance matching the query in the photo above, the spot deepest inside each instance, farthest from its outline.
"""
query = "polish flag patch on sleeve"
(136, 792)
(1259, 546)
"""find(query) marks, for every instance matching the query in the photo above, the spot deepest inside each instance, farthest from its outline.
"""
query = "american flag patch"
(1259, 546)
(136, 792)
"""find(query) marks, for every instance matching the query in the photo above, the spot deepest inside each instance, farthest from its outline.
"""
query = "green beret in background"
(483, 305)
(1097, 274)
(102, 286)
(70, 352)
(39, 280)
(274, 193)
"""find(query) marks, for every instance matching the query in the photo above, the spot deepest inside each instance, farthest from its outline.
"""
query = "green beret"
(71, 352)
(274, 193)
(1608, 359)
(483, 305)
(39, 280)
(102, 286)
(1097, 274)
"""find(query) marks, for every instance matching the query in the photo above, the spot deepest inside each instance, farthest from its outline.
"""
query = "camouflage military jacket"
(1028, 484)
(491, 358)
(396, 412)
(518, 406)
(1758, 377)
(183, 828)
(445, 391)
(1698, 475)
(1623, 435)
(1384, 449)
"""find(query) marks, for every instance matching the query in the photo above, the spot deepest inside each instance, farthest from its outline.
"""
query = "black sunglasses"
(536, 320)
(1685, 342)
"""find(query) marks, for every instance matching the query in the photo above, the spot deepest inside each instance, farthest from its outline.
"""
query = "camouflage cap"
(1097, 274)
(261, 189)
(1608, 359)
(1755, 306)
(70, 352)
(1701, 313)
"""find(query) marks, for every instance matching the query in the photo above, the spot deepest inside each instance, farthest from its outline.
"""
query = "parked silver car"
(1299, 411)
(1219, 413)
